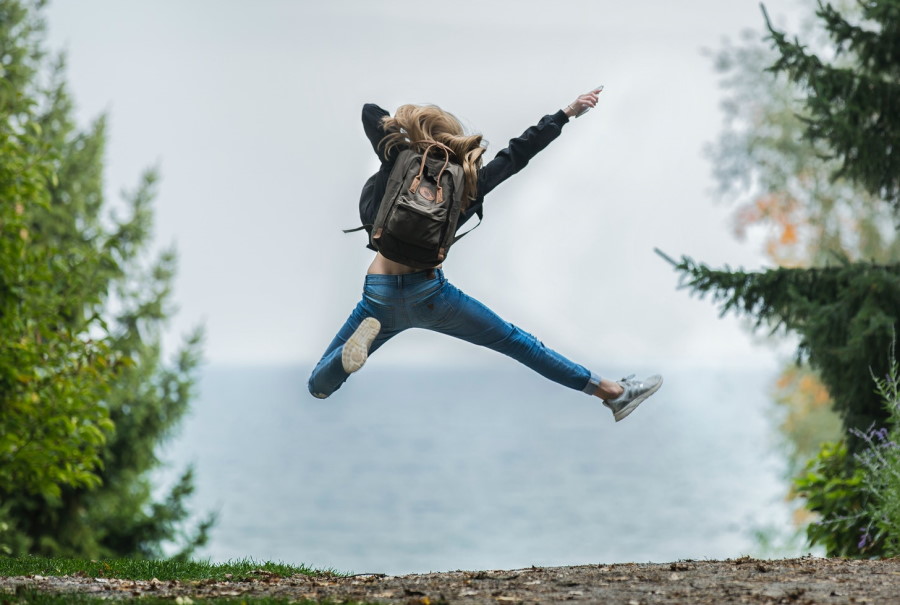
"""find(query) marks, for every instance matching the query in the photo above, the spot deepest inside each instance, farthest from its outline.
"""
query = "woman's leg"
(454, 313)
(329, 374)
(464, 317)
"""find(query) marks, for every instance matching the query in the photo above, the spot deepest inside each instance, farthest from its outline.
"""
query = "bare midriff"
(385, 266)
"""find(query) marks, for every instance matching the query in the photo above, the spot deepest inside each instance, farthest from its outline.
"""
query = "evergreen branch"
(841, 314)
(855, 110)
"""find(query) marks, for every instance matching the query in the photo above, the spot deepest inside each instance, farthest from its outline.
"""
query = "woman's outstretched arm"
(521, 149)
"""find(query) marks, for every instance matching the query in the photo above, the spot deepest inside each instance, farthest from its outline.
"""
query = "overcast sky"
(251, 112)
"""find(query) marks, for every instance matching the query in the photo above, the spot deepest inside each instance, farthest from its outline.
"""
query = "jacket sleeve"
(519, 152)
(371, 118)
(514, 158)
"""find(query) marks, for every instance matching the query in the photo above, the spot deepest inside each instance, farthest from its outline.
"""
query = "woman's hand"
(583, 102)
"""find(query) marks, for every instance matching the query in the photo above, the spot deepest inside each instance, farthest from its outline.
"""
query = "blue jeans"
(427, 300)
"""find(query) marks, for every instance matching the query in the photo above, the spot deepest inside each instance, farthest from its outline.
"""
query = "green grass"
(32, 597)
(137, 569)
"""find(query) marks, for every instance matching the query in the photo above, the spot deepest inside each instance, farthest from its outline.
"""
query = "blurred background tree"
(85, 398)
(784, 187)
(809, 153)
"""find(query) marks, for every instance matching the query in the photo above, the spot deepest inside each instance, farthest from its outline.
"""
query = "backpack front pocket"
(417, 222)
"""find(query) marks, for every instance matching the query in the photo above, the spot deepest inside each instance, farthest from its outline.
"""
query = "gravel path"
(802, 581)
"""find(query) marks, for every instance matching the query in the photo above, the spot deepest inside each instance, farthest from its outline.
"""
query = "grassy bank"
(134, 569)
(32, 597)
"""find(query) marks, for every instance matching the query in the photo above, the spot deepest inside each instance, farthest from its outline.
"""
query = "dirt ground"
(804, 581)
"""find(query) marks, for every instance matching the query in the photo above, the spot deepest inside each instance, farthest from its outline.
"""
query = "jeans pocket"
(379, 307)
(435, 308)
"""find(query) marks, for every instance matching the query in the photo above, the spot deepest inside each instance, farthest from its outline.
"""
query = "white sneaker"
(636, 391)
(356, 349)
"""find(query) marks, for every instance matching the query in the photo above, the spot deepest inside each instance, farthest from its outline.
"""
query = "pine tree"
(853, 110)
(845, 317)
(846, 314)
(780, 183)
(53, 373)
(84, 396)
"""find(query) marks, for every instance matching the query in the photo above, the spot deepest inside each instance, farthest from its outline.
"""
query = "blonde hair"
(413, 123)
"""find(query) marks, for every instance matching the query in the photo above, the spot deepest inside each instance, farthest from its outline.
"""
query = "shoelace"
(627, 378)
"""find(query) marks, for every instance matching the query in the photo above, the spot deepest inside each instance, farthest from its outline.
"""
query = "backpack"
(416, 220)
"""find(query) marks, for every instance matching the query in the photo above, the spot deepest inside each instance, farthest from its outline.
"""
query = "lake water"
(431, 470)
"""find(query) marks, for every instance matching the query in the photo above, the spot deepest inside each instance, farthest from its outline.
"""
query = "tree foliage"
(857, 498)
(853, 108)
(785, 188)
(807, 416)
(763, 155)
(780, 182)
(834, 489)
(810, 152)
(880, 460)
(84, 396)
(53, 375)
(844, 315)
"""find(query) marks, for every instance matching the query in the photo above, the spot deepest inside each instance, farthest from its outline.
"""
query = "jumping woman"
(397, 297)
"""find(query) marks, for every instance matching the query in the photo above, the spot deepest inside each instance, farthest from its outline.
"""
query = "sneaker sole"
(356, 349)
(621, 414)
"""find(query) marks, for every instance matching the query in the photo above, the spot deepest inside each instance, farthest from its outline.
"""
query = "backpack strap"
(361, 227)
(456, 238)
(392, 189)
(414, 187)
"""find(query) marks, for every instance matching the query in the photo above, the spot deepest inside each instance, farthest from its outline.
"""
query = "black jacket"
(507, 162)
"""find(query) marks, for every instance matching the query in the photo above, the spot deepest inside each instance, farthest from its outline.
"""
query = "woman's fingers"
(584, 102)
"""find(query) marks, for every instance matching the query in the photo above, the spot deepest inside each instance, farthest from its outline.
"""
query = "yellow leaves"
(814, 391)
(800, 385)
(803, 397)
(809, 419)
(802, 517)
(788, 234)
(783, 213)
